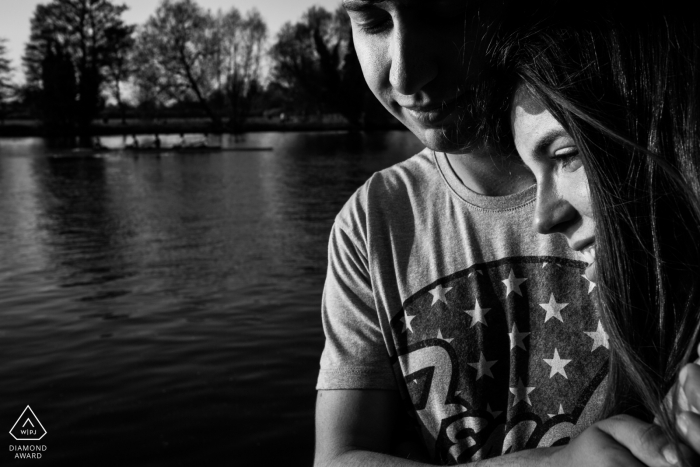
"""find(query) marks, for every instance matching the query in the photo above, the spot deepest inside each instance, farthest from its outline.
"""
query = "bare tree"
(187, 54)
(174, 54)
(243, 43)
(7, 88)
(119, 71)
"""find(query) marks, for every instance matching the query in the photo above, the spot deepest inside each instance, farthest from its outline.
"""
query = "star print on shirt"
(454, 366)
(591, 284)
(513, 284)
(553, 309)
(439, 336)
(406, 321)
(438, 293)
(516, 338)
(561, 412)
(478, 314)
(599, 336)
(521, 393)
(557, 364)
(494, 413)
(483, 367)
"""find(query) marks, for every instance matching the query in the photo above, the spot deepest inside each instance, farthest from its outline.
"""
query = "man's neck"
(491, 173)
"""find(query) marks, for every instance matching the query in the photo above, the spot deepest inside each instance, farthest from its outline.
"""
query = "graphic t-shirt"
(486, 327)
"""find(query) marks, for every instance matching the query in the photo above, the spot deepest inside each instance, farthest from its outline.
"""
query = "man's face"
(423, 59)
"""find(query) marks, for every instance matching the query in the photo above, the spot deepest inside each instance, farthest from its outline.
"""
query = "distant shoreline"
(114, 127)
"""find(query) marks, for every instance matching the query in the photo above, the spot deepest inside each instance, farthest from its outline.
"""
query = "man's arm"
(357, 428)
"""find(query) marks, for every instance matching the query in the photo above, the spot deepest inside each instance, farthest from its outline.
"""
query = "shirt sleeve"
(355, 355)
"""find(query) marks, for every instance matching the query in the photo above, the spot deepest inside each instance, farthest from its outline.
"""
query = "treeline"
(82, 61)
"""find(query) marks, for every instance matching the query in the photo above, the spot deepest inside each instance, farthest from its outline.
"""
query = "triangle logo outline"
(28, 418)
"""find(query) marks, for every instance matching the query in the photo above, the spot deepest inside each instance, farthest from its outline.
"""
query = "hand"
(688, 420)
(621, 440)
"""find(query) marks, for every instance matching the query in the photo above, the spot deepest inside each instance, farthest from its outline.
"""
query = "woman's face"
(563, 200)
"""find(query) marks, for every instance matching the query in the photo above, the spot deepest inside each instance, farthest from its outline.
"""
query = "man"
(439, 294)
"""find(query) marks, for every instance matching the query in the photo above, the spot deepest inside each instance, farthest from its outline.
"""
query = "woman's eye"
(442, 11)
(568, 158)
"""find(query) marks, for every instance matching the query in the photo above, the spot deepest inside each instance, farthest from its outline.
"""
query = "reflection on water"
(164, 309)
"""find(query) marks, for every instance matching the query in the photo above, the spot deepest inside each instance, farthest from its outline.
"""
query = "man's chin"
(443, 140)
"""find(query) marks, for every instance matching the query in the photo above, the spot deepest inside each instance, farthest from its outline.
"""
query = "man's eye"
(371, 22)
(568, 159)
(376, 27)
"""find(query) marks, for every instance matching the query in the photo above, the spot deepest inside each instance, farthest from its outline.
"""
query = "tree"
(295, 66)
(119, 71)
(186, 54)
(73, 44)
(314, 60)
(7, 88)
(174, 54)
(242, 49)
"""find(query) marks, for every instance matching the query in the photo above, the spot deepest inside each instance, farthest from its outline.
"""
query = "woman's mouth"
(588, 254)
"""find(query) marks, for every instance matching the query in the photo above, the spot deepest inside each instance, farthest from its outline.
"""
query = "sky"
(16, 14)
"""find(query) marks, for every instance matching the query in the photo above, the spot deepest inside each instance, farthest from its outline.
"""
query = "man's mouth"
(432, 115)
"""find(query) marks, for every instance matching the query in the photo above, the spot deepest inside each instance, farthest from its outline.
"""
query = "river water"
(164, 309)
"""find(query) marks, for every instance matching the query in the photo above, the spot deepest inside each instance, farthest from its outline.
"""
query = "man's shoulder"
(415, 174)
(419, 168)
(394, 188)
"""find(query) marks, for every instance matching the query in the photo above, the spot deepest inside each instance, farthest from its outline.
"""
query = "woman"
(607, 119)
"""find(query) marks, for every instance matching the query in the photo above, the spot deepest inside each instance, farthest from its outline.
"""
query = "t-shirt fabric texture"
(486, 328)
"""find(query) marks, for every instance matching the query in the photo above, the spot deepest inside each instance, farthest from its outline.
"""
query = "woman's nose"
(553, 213)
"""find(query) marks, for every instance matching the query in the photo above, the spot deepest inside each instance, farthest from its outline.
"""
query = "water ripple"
(165, 311)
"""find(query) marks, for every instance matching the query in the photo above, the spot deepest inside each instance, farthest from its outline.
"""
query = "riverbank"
(33, 128)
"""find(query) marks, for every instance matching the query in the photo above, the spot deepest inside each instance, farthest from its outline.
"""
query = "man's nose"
(413, 59)
(553, 213)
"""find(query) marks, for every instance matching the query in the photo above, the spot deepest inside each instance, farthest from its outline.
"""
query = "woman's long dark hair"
(628, 92)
